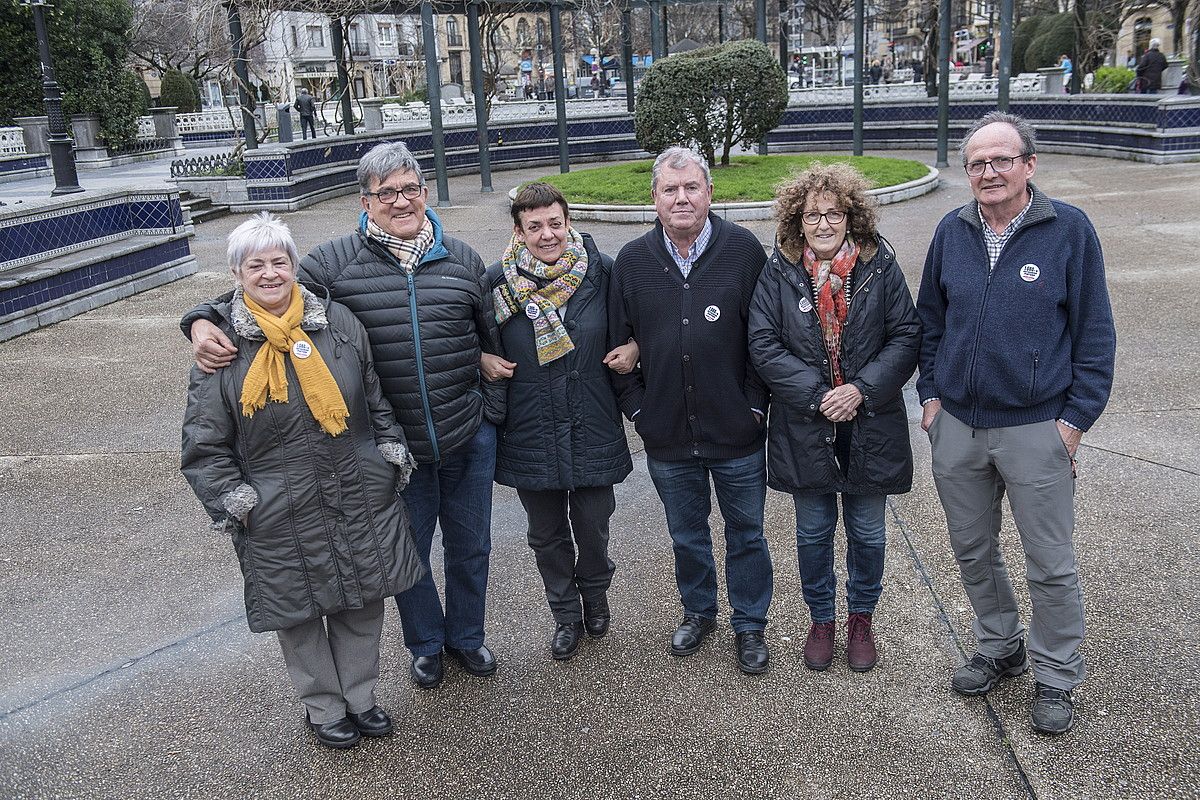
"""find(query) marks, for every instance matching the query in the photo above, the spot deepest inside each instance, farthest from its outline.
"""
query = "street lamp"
(62, 157)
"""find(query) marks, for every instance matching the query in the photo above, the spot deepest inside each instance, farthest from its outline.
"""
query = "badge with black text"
(712, 313)
(805, 305)
(301, 349)
(1030, 273)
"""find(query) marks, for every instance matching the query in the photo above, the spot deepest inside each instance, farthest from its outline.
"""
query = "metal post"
(656, 37)
(1006, 36)
(720, 23)
(783, 37)
(666, 35)
(627, 54)
(338, 42)
(62, 156)
(481, 109)
(433, 80)
(943, 134)
(860, 62)
(1076, 84)
(760, 20)
(249, 125)
(560, 85)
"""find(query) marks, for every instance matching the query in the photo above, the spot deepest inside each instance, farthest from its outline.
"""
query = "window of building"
(385, 33)
(523, 32)
(541, 31)
(316, 35)
(453, 37)
(1141, 35)
(295, 36)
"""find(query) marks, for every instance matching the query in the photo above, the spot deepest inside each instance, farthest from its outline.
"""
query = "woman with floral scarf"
(562, 446)
(834, 333)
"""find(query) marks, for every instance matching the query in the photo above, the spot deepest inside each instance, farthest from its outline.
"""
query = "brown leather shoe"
(860, 643)
(818, 647)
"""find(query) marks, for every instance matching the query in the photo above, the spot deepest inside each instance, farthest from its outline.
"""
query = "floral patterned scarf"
(829, 279)
(521, 293)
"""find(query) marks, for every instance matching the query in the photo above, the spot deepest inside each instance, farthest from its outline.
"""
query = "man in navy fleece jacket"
(1016, 364)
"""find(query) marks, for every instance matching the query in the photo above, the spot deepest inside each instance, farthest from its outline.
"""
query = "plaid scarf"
(829, 279)
(520, 293)
(408, 252)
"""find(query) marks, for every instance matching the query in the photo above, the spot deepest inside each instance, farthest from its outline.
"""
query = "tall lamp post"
(62, 157)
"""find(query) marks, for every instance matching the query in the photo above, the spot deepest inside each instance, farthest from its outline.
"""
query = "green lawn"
(747, 178)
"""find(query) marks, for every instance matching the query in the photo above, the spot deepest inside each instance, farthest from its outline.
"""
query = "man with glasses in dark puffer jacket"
(421, 297)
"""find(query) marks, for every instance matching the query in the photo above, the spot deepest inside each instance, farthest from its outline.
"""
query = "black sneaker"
(1053, 711)
(981, 674)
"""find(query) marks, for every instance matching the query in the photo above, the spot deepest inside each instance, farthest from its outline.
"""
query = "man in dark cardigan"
(683, 292)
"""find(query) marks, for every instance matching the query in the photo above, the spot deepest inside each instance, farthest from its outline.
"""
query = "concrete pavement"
(127, 670)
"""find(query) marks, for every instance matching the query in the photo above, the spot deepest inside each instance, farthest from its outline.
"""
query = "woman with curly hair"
(834, 333)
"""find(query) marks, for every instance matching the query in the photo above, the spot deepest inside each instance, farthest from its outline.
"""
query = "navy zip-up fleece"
(1031, 340)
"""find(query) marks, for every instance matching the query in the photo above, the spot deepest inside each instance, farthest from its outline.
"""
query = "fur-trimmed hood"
(245, 326)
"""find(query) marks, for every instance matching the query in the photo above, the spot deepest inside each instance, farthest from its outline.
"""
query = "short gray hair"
(384, 159)
(678, 158)
(260, 232)
(1155, 43)
(1018, 123)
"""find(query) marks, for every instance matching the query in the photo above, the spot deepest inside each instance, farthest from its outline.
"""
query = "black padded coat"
(329, 531)
(880, 341)
(563, 428)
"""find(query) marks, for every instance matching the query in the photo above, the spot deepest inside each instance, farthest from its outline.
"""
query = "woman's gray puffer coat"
(880, 340)
(563, 428)
(317, 520)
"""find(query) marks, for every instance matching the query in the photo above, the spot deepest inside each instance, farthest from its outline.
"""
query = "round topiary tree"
(180, 91)
(1055, 36)
(1022, 36)
(710, 99)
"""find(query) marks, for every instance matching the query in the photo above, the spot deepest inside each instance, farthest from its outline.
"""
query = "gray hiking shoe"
(981, 674)
(1053, 710)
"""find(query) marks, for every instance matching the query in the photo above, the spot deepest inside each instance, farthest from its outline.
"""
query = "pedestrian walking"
(308, 114)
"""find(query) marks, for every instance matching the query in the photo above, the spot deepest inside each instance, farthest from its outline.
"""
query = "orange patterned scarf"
(829, 279)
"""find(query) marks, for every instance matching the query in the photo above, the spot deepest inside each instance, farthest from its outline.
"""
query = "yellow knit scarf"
(267, 378)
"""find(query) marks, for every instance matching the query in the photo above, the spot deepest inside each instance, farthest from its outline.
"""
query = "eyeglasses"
(1001, 164)
(814, 217)
(411, 192)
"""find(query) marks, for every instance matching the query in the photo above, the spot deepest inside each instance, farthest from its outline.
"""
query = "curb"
(741, 212)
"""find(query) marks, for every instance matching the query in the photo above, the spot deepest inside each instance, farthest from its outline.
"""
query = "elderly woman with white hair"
(294, 453)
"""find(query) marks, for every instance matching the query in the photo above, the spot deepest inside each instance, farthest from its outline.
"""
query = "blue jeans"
(457, 492)
(816, 520)
(741, 485)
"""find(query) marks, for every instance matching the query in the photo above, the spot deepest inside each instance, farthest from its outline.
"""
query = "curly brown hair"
(839, 180)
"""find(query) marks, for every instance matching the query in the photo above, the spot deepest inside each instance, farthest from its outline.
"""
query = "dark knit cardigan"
(1029, 341)
(694, 390)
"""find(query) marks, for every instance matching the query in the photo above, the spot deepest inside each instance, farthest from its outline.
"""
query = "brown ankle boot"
(818, 647)
(860, 643)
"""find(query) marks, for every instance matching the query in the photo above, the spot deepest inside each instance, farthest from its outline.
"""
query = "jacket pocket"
(1033, 378)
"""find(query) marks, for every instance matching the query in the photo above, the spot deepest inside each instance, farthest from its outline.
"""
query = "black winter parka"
(563, 428)
(880, 341)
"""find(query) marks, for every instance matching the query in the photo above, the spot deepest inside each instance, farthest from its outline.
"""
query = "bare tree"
(191, 36)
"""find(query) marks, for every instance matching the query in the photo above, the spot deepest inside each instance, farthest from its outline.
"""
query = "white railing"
(145, 128)
(224, 119)
(12, 143)
(973, 85)
(416, 115)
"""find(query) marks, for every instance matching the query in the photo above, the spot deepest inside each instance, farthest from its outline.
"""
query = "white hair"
(257, 234)
(678, 158)
(384, 159)
(1155, 43)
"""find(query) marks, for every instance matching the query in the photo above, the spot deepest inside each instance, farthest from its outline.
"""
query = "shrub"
(711, 98)
(1112, 80)
(179, 90)
(1022, 36)
(1055, 36)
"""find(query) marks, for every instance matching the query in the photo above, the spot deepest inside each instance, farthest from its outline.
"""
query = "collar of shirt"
(697, 249)
(995, 241)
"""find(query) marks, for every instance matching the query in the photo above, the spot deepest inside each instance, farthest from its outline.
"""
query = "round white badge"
(712, 313)
(532, 310)
(1030, 273)
(301, 349)
(805, 305)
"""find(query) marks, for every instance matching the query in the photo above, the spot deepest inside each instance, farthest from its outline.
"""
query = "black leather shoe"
(339, 734)
(427, 671)
(690, 634)
(478, 662)
(596, 616)
(753, 656)
(373, 722)
(564, 644)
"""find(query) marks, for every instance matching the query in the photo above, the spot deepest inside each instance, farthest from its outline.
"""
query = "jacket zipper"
(416, 327)
(975, 349)
(1033, 379)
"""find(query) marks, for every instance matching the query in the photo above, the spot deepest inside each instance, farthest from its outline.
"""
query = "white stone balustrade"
(12, 143)
(210, 121)
(416, 115)
(965, 86)
(145, 128)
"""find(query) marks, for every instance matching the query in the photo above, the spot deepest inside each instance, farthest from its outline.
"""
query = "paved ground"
(126, 669)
